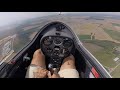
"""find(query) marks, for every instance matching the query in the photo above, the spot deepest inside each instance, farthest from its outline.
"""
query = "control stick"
(52, 69)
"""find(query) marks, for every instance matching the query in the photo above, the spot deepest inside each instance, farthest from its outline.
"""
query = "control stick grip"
(52, 69)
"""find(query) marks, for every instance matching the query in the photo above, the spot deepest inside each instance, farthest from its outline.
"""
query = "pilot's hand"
(40, 73)
(54, 75)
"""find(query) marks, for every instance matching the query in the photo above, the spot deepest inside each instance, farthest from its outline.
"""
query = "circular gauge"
(47, 41)
(57, 40)
(67, 43)
(49, 50)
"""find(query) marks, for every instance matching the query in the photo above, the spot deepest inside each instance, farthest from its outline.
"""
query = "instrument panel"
(56, 46)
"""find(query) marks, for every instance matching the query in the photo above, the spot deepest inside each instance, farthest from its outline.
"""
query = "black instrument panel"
(56, 46)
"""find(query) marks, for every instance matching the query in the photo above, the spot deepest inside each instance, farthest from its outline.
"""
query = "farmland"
(106, 33)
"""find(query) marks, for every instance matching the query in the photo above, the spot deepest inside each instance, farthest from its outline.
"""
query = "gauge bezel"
(48, 37)
(64, 42)
(59, 43)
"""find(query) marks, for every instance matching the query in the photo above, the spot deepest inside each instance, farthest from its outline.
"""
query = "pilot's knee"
(70, 59)
(37, 53)
(69, 62)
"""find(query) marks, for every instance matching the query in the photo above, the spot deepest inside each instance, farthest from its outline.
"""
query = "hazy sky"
(9, 17)
(114, 13)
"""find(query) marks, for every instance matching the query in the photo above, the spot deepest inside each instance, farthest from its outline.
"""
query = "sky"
(9, 17)
(111, 13)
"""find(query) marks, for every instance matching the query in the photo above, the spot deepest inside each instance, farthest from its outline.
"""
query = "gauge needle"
(63, 51)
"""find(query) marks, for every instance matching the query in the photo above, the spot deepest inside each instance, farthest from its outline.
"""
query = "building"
(116, 59)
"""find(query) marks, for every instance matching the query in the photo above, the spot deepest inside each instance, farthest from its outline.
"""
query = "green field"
(105, 58)
(106, 55)
(84, 37)
(115, 24)
(116, 72)
(108, 45)
(114, 34)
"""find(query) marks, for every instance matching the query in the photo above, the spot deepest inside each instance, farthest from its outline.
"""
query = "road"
(114, 68)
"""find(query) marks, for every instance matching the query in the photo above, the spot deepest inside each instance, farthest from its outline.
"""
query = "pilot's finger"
(55, 71)
(49, 74)
(55, 75)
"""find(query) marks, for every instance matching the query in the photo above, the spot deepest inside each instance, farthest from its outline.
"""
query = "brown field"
(32, 35)
(86, 28)
(117, 28)
(30, 27)
(92, 47)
